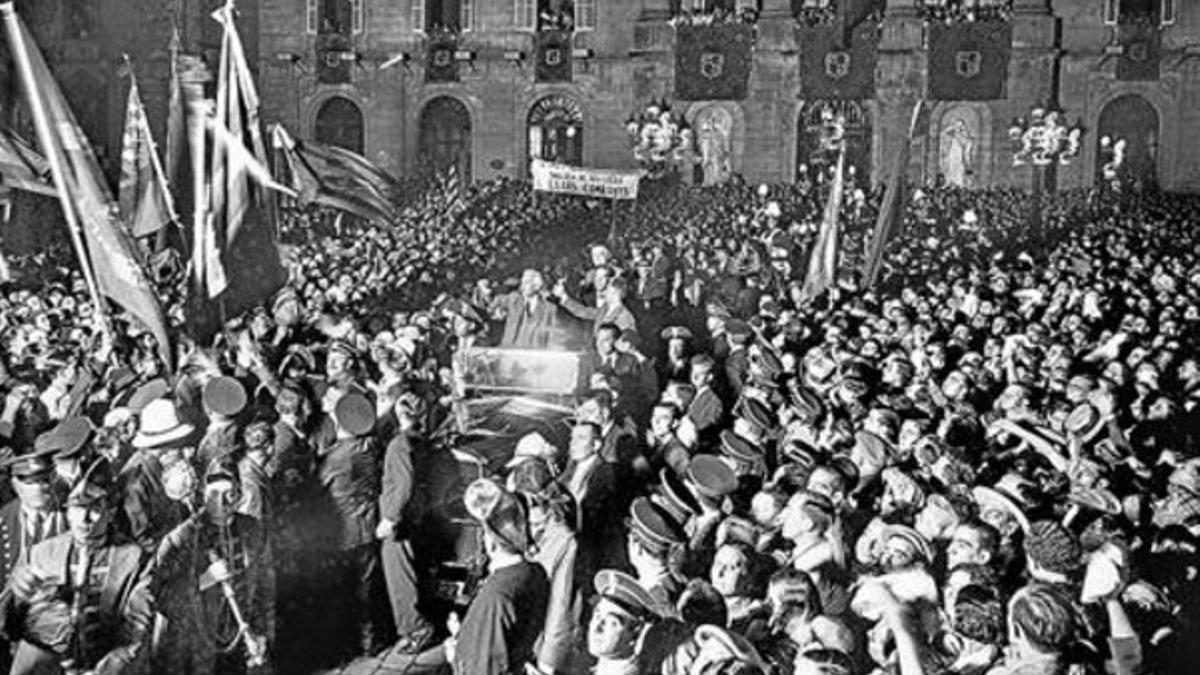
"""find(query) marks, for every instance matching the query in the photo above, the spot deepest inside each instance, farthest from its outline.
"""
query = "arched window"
(556, 130)
(445, 136)
(340, 123)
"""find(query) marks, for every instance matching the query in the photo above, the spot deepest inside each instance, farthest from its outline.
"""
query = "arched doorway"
(340, 123)
(858, 138)
(556, 130)
(445, 136)
(1131, 119)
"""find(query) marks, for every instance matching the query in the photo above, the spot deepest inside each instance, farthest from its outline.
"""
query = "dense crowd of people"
(985, 464)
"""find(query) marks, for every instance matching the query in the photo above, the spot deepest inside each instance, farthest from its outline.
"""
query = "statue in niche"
(958, 154)
(714, 130)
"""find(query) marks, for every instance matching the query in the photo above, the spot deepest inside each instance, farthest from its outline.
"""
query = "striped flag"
(22, 167)
(236, 262)
(107, 251)
(324, 175)
(892, 208)
(142, 193)
(822, 263)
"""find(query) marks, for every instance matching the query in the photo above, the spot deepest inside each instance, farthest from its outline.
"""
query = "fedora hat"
(159, 425)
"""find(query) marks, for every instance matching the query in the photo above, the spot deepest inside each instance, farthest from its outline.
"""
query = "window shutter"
(585, 14)
(466, 15)
(312, 11)
(1166, 12)
(418, 16)
(1112, 12)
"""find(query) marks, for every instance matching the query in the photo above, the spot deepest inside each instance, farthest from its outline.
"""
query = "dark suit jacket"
(527, 329)
(396, 492)
(116, 638)
(11, 527)
(706, 412)
(350, 477)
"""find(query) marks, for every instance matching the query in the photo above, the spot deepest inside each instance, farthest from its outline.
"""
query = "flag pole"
(42, 124)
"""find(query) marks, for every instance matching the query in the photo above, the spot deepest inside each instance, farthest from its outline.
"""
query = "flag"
(323, 175)
(21, 166)
(237, 263)
(440, 65)
(838, 65)
(822, 263)
(107, 251)
(968, 61)
(142, 193)
(552, 49)
(892, 208)
(713, 62)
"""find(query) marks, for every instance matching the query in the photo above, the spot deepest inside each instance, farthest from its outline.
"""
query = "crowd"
(985, 464)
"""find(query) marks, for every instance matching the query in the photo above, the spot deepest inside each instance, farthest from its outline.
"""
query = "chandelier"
(1044, 139)
(659, 137)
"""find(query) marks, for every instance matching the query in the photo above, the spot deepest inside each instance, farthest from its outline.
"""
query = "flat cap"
(69, 438)
(626, 593)
(224, 396)
(30, 464)
(676, 333)
(712, 478)
(653, 526)
(739, 448)
(355, 414)
(675, 497)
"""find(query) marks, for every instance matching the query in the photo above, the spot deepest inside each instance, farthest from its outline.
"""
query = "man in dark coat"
(85, 602)
(508, 613)
(34, 516)
(396, 523)
(530, 319)
(349, 476)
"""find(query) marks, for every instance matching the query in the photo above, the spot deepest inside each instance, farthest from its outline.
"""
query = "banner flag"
(892, 208)
(713, 62)
(242, 266)
(573, 180)
(553, 53)
(440, 65)
(21, 166)
(319, 177)
(108, 253)
(968, 61)
(822, 263)
(143, 197)
(834, 65)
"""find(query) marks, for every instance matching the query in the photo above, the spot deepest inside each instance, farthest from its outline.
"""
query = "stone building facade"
(358, 73)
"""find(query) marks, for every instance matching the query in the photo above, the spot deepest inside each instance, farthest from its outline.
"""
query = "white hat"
(532, 445)
(160, 425)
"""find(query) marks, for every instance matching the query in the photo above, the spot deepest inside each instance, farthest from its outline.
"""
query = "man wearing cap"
(654, 536)
(147, 512)
(506, 616)
(224, 399)
(34, 515)
(86, 600)
(349, 475)
(623, 614)
(397, 515)
(218, 550)
(70, 443)
(675, 366)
